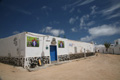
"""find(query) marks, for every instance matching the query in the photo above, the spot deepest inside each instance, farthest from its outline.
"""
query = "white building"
(117, 46)
(113, 49)
(100, 48)
(30, 49)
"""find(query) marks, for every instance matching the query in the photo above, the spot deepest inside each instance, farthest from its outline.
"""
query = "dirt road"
(101, 67)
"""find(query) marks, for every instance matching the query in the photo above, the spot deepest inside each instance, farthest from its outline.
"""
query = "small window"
(75, 49)
(116, 42)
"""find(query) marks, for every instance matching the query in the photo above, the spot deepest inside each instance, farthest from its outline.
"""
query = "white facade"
(117, 42)
(13, 46)
(29, 46)
(113, 49)
(79, 47)
(100, 48)
(117, 46)
(45, 41)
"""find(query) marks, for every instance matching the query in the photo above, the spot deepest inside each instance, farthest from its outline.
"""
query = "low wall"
(74, 56)
(90, 54)
(63, 57)
(20, 61)
(13, 61)
(32, 62)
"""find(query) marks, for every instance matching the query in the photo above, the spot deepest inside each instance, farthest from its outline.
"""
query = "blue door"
(53, 53)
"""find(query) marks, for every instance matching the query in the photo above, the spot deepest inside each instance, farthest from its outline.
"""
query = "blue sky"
(83, 20)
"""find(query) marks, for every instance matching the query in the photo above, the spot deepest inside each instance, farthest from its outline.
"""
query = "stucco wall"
(13, 46)
(112, 49)
(117, 49)
(45, 42)
(79, 47)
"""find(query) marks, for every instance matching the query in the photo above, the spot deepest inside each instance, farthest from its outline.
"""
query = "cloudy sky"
(82, 20)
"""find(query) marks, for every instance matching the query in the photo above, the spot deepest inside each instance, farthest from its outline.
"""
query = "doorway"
(53, 53)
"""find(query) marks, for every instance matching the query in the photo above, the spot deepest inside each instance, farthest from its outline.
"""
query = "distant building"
(117, 46)
(114, 48)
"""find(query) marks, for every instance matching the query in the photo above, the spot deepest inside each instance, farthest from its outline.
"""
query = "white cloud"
(16, 32)
(104, 30)
(46, 9)
(57, 32)
(113, 16)
(73, 29)
(90, 23)
(87, 38)
(111, 9)
(76, 4)
(93, 9)
(85, 2)
(83, 19)
(71, 5)
(84, 24)
(72, 20)
(52, 31)
(47, 29)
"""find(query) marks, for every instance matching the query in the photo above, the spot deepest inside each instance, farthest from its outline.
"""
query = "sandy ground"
(101, 67)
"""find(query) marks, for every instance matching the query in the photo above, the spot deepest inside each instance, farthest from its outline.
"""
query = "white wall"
(7, 46)
(44, 41)
(118, 41)
(80, 47)
(117, 49)
(117, 46)
(33, 51)
(100, 48)
(62, 51)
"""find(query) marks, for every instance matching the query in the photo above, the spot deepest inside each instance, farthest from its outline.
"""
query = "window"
(116, 42)
(75, 49)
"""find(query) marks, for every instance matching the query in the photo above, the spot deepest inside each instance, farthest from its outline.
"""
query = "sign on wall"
(32, 41)
(53, 42)
(71, 44)
(61, 44)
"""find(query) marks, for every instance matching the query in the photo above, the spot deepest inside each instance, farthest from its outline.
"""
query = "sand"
(101, 67)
